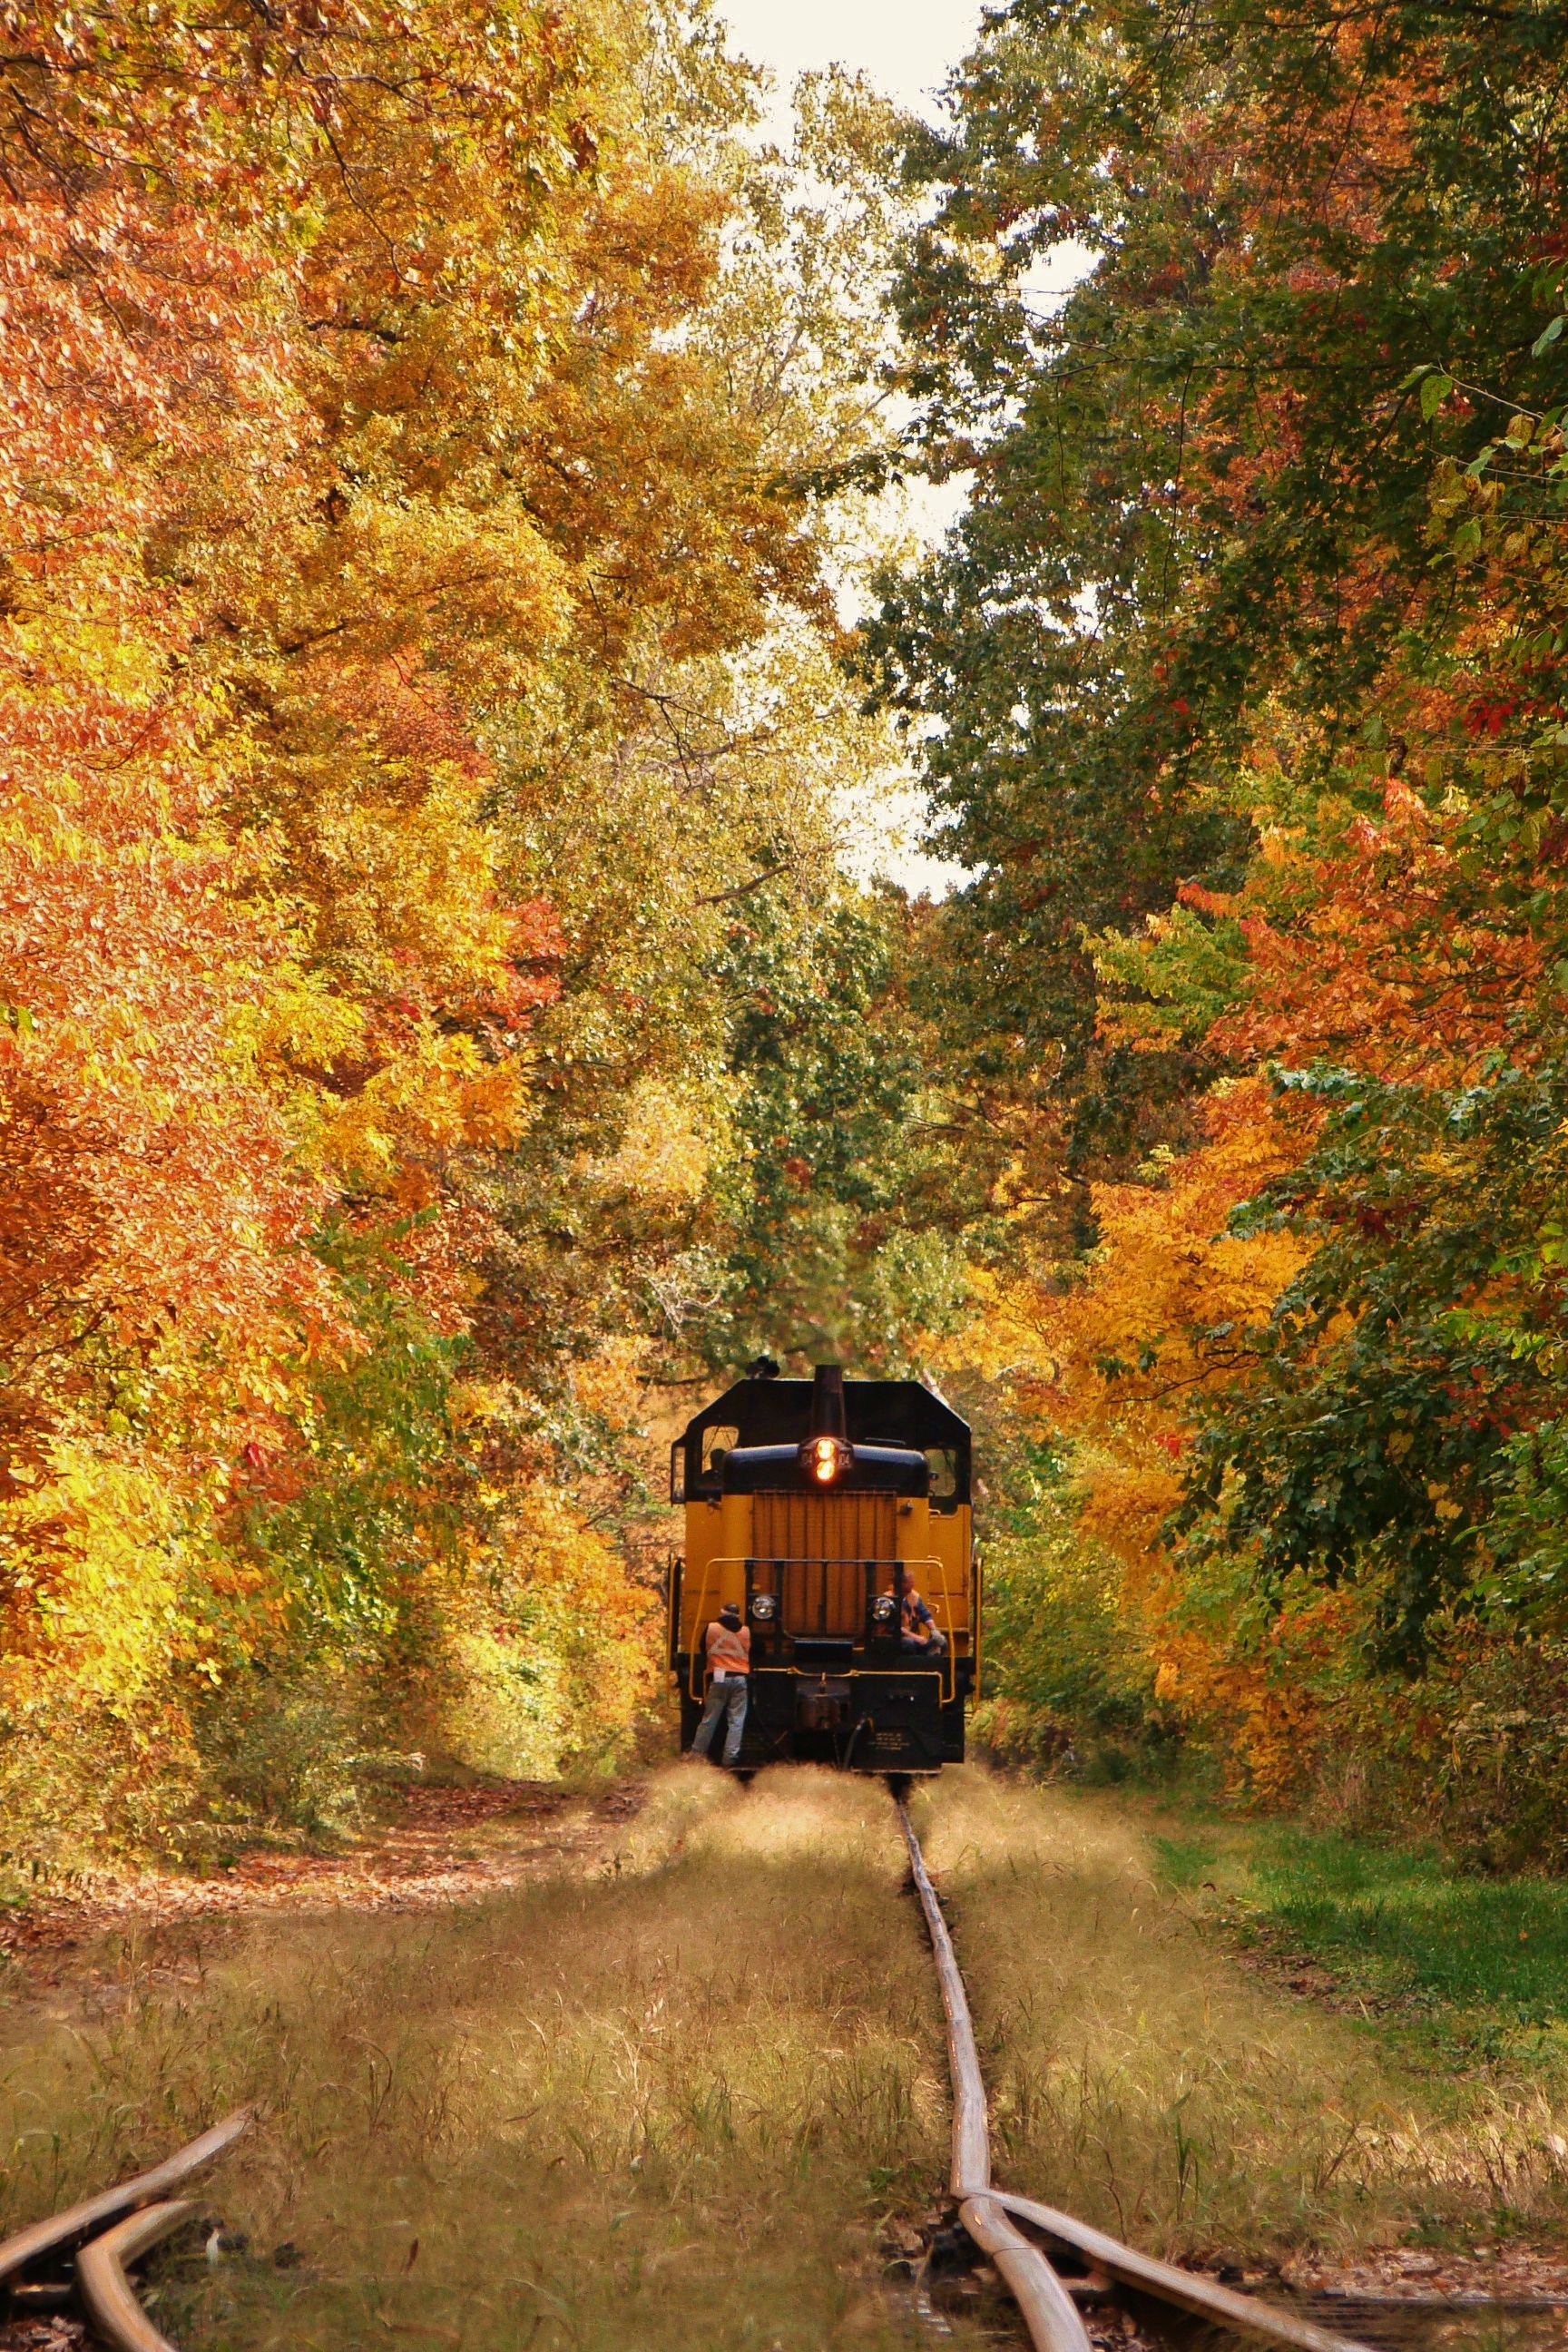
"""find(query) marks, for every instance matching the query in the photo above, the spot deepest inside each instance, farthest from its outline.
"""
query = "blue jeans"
(935, 1648)
(731, 1694)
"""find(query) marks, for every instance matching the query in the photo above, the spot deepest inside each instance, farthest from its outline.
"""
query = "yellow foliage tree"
(410, 405)
(1118, 1358)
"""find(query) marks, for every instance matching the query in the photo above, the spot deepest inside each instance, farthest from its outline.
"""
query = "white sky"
(905, 46)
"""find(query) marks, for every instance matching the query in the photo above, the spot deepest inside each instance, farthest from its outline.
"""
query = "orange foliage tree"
(367, 391)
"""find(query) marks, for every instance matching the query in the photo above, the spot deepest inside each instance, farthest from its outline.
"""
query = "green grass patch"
(1183, 1862)
(1482, 1962)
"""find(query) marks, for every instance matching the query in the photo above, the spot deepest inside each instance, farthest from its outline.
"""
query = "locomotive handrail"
(946, 1669)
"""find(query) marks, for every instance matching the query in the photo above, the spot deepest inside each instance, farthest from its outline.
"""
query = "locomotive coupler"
(822, 1704)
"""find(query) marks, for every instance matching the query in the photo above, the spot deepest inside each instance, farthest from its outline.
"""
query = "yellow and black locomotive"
(836, 1515)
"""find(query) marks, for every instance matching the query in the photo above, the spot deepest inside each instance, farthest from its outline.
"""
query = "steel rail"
(79, 2221)
(1240, 2314)
(1048, 2311)
(1462, 2299)
(108, 2295)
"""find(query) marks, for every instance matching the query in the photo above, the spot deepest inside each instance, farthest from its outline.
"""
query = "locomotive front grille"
(824, 1527)
(820, 1554)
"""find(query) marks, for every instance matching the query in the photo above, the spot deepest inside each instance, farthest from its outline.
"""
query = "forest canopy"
(422, 750)
(1241, 684)
(439, 1032)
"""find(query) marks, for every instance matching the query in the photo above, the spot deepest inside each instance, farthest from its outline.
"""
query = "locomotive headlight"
(822, 1458)
(765, 1608)
(884, 1609)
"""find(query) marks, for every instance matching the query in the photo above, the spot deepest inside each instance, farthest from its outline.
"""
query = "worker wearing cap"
(729, 1644)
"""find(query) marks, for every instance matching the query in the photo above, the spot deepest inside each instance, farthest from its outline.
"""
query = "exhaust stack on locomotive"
(815, 1506)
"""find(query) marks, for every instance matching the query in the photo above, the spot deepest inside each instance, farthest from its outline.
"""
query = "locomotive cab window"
(943, 1464)
(718, 1445)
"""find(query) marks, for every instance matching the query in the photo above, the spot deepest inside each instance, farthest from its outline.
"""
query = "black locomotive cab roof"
(906, 1439)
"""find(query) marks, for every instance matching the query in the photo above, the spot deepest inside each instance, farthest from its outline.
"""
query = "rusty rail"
(30, 2246)
(991, 2215)
(1048, 2310)
(1240, 2314)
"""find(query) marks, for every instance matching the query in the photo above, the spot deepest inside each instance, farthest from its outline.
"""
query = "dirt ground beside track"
(445, 1845)
(1117, 2039)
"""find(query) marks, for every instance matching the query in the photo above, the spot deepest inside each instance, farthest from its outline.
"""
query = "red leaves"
(143, 1188)
(1391, 959)
(1488, 714)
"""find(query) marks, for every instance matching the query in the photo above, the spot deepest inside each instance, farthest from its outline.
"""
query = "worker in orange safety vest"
(729, 1646)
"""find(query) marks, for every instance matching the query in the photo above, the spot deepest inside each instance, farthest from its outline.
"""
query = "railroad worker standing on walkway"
(730, 1663)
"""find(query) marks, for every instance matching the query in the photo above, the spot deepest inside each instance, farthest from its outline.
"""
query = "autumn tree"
(1246, 662)
(1200, 481)
(416, 424)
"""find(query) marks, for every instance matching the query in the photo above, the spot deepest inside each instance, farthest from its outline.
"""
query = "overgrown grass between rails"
(1141, 2077)
(1463, 1966)
(665, 2105)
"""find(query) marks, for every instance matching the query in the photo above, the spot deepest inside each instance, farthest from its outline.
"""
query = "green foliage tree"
(1201, 481)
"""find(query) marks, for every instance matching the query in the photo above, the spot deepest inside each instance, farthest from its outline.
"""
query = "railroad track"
(80, 2259)
(998, 2221)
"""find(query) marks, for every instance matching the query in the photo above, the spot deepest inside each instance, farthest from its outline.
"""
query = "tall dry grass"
(670, 2102)
(1141, 2078)
(659, 2106)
